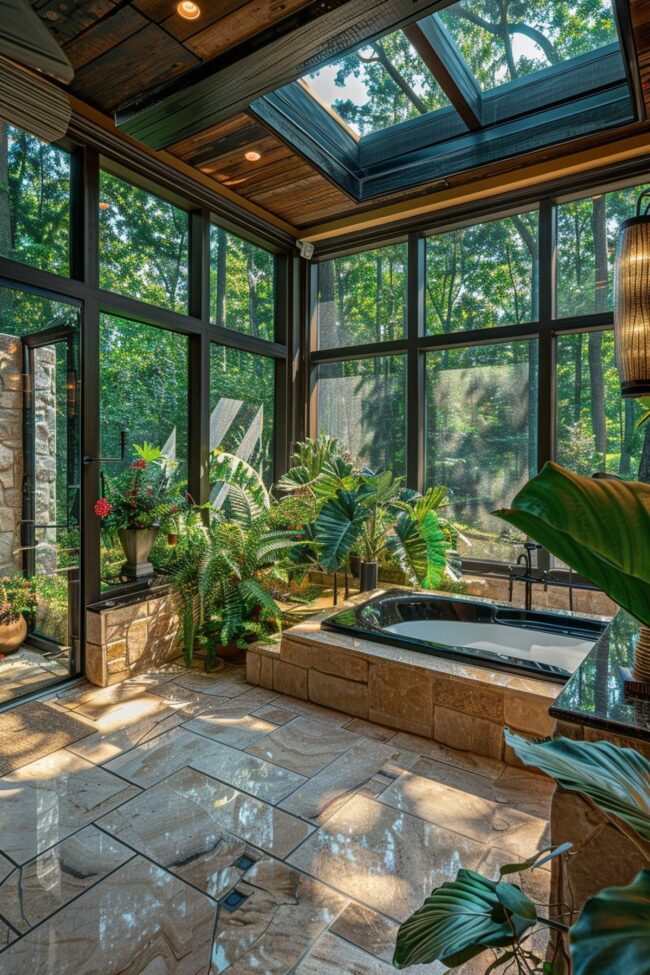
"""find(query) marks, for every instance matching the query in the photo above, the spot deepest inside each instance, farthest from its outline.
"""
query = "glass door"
(40, 485)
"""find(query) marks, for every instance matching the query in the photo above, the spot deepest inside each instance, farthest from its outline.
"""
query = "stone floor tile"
(326, 792)
(155, 760)
(231, 724)
(370, 730)
(384, 858)
(277, 915)
(316, 711)
(43, 803)
(303, 745)
(186, 701)
(492, 823)
(230, 682)
(276, 715)
(525, 791)
(139, 919)
(101, 747)
(488, 767)
(179, 823)
(44, 885)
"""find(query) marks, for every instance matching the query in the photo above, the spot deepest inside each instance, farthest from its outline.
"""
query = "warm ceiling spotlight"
(252, 156)
(188, 9)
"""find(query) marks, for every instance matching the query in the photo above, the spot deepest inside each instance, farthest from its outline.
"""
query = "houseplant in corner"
(18, 599)
(135, 504)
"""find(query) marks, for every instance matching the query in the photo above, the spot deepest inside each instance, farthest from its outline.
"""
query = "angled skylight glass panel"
(506, 40)
(378, 85)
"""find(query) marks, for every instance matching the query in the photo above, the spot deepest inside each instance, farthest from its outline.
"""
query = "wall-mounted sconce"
(632, 301)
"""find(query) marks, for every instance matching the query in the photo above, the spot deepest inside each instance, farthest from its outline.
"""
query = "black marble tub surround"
(595, 695)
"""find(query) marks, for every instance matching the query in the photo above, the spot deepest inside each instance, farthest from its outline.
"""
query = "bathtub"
(546, 645)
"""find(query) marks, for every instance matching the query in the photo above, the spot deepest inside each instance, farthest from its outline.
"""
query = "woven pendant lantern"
(632, 302)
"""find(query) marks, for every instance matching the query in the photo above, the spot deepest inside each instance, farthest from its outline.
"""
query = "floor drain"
(234, 900)
(244, 862)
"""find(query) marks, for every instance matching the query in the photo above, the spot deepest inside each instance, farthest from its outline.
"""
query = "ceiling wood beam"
(229, 83)
(447, 65)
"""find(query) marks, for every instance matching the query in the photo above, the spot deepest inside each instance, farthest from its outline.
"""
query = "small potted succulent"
(135, 504)
(17, 600)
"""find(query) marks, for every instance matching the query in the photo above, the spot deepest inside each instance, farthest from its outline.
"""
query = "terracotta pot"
(172, 538)
(12, 635)
(137, 544)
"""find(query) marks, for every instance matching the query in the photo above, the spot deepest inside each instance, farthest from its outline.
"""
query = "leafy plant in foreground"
(473, 914)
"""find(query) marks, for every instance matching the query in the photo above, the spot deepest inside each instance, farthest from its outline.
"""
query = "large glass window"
(362, 297)
(143, 392)
(34, 201)
(143, 244)
(378, 85)
(242, 399)
(242, 285)
(481, 437)
(483, 276)
(40, 482)
(596, 427)
(363, 403)
(504, 42)
(587, 231)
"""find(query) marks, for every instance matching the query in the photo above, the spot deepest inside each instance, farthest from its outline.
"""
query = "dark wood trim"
(229, 83)
(445, 62)
(630, 56)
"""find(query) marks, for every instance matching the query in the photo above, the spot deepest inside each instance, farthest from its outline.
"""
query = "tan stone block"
(136, 641)
(528, 713)
(95, 669)
(95, 628)
(467, 733)
(114, 631)
(348, 696)
(266, 673)
(401, 697)
(470, 697)
(299, 654)
(349, 666)
(118, 666)
(253, 667)
(116, 650)
(288, 679)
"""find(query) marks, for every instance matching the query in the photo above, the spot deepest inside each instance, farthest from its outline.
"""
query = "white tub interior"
(554, 649)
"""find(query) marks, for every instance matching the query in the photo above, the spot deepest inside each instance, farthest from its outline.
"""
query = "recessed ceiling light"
(188, 9)
(252, 156)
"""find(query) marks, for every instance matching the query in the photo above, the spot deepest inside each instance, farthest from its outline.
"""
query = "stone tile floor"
(206, 826)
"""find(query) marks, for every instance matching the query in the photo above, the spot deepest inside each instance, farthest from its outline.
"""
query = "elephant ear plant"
(474, 915)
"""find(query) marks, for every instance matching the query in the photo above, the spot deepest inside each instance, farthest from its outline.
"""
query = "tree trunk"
(326, 305)
(220, 311)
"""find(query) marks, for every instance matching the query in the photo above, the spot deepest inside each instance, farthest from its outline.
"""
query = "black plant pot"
(368, 575)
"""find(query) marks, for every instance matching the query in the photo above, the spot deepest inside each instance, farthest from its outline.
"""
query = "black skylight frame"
(579, 96)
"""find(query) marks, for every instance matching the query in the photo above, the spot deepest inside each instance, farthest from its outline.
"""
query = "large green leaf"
(338, 526)
(463, 918)
(598, 526)
(612, 934)
(616, 779)
(420, 547)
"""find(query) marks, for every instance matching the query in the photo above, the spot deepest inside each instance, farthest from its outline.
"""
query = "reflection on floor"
(205, 826)
(29, 670)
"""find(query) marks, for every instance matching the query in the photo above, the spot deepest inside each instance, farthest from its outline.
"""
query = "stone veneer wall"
(465, 707)
(605, 853)
(12, 455)
(124, 639)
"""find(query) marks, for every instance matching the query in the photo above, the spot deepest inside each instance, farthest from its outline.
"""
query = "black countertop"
(594, 696)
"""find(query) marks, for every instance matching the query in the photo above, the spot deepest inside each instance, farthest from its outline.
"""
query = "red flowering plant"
(17, 598)
(141, 496)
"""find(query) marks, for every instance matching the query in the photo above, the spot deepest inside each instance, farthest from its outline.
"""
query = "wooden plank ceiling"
(121, 49)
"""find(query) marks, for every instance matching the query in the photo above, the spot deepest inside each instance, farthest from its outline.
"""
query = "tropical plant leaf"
(247, 493)
(594, 525)
(616, 779)
(336, 475)
(537, 860)
(612, 934)
(295, 479)
(338, 526)
(461, 919)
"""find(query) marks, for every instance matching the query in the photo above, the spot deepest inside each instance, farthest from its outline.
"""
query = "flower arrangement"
(17, 598)
(139, 497)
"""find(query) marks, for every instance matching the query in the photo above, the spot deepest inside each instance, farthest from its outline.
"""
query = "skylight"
(378, 85)
(502, 42)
